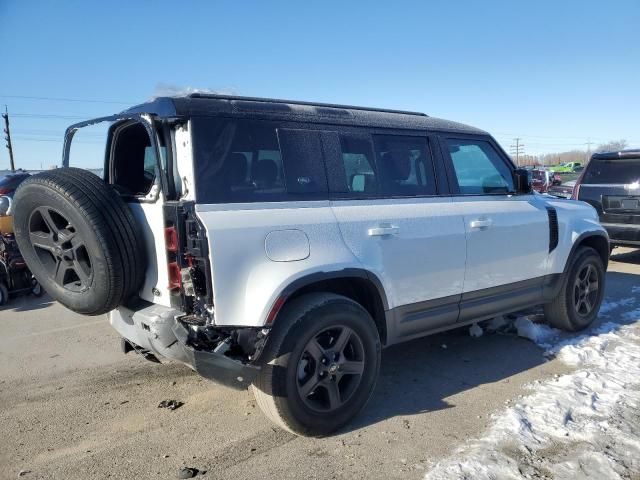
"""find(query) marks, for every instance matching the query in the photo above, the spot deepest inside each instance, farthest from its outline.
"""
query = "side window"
(357, 158)
(133, 162)
(479, 169)
(237, 161)
(404, 166)
(303, 158)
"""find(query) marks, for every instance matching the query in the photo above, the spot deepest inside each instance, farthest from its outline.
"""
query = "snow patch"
(608, 306)
(583, 425)
(536, 332)
(475, 330)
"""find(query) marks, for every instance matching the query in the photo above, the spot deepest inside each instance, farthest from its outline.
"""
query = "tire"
(568, 310)
(36, 288)
(4, 294)
(79, 239)
(288, 366)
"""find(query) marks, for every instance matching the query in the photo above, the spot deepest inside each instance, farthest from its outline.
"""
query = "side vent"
(553, 228)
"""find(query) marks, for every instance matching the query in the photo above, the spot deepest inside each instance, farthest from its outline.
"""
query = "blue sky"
(554, 73)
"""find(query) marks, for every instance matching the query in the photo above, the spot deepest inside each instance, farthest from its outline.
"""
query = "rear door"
(507, 235)
(612, 187)
(385, 197)
(132, 162)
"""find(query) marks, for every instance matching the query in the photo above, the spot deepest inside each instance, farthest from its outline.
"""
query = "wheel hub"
(330, 368)
(61, 250)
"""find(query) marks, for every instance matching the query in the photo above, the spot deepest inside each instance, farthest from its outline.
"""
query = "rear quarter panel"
(246, 281)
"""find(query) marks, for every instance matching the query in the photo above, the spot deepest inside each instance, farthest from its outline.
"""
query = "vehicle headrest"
(237, 168)
(396, 164)
(265, 172)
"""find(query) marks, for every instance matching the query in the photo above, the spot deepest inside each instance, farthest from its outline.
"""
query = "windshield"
(618, 171)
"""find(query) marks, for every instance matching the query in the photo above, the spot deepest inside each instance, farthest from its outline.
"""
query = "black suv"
(611, 183)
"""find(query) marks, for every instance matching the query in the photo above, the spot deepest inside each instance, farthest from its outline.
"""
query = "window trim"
(452, 178)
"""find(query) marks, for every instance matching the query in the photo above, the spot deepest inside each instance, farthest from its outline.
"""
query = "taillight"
(5, 191)
(171, 239)
(175, 280)
(576, 188)
(171, 245)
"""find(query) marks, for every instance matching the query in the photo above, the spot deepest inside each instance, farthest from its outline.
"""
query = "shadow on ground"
(626, 256)
(419, 376)
(25, 303)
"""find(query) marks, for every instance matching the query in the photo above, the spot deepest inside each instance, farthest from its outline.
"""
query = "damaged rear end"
(186, 330)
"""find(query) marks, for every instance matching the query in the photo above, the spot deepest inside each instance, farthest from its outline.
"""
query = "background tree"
(613, 146)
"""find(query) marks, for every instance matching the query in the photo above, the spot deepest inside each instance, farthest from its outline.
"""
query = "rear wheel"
(320, 365)
(582, 291)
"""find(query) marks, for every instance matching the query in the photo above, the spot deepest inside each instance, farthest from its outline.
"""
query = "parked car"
(281, 244)
(543, 179)
(10, 182)
(568, 167)
(564, 190)
(611, 183)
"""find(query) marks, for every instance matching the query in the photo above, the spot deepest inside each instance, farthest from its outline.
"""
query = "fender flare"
(554, 282)
(315, 277)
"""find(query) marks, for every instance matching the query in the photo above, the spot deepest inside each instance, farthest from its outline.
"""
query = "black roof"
(616, 155)
(200, 104)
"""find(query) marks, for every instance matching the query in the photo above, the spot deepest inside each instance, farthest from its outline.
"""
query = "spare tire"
(79, 239)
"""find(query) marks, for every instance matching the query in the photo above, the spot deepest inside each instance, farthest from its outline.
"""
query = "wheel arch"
(361, 286)
(598, 240)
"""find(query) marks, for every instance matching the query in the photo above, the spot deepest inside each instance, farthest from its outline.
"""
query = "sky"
(558, 74)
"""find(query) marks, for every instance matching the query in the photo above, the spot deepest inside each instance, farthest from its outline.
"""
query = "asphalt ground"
(72, 406)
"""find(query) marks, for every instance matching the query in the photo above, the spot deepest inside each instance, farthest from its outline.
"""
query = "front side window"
(478, 168)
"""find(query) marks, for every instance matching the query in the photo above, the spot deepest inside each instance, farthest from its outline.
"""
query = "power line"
(61, 99)
(50, 116)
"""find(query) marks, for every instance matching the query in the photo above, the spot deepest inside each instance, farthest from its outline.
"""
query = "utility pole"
(588, 144)
(517, 149)
(7, 137)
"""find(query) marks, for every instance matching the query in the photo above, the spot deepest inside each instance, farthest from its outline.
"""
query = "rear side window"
(478, 168)
(240, 160)
(133, 161)
(404, 166)
(304, 163)
(358, 161)
(618, 171)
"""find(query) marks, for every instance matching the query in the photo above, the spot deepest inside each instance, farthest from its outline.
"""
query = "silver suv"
(280, 245)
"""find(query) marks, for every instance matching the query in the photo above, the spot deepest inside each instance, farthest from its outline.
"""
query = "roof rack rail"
(635, 153)
(296, 102)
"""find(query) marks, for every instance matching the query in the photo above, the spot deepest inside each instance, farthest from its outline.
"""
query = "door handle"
(481, 223)
(383, 230)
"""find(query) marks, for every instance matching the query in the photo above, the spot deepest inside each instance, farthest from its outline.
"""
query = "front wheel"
(320, 365)
(578, 302)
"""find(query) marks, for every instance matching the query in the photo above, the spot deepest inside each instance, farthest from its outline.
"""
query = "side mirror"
(522, 181)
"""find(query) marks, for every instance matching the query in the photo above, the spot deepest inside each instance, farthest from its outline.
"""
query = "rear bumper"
(623, 234)
(155, 328)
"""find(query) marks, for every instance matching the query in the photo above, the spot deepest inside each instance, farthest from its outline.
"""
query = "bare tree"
(613, 146)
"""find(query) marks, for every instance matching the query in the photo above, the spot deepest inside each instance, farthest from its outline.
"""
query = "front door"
(507, 234)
